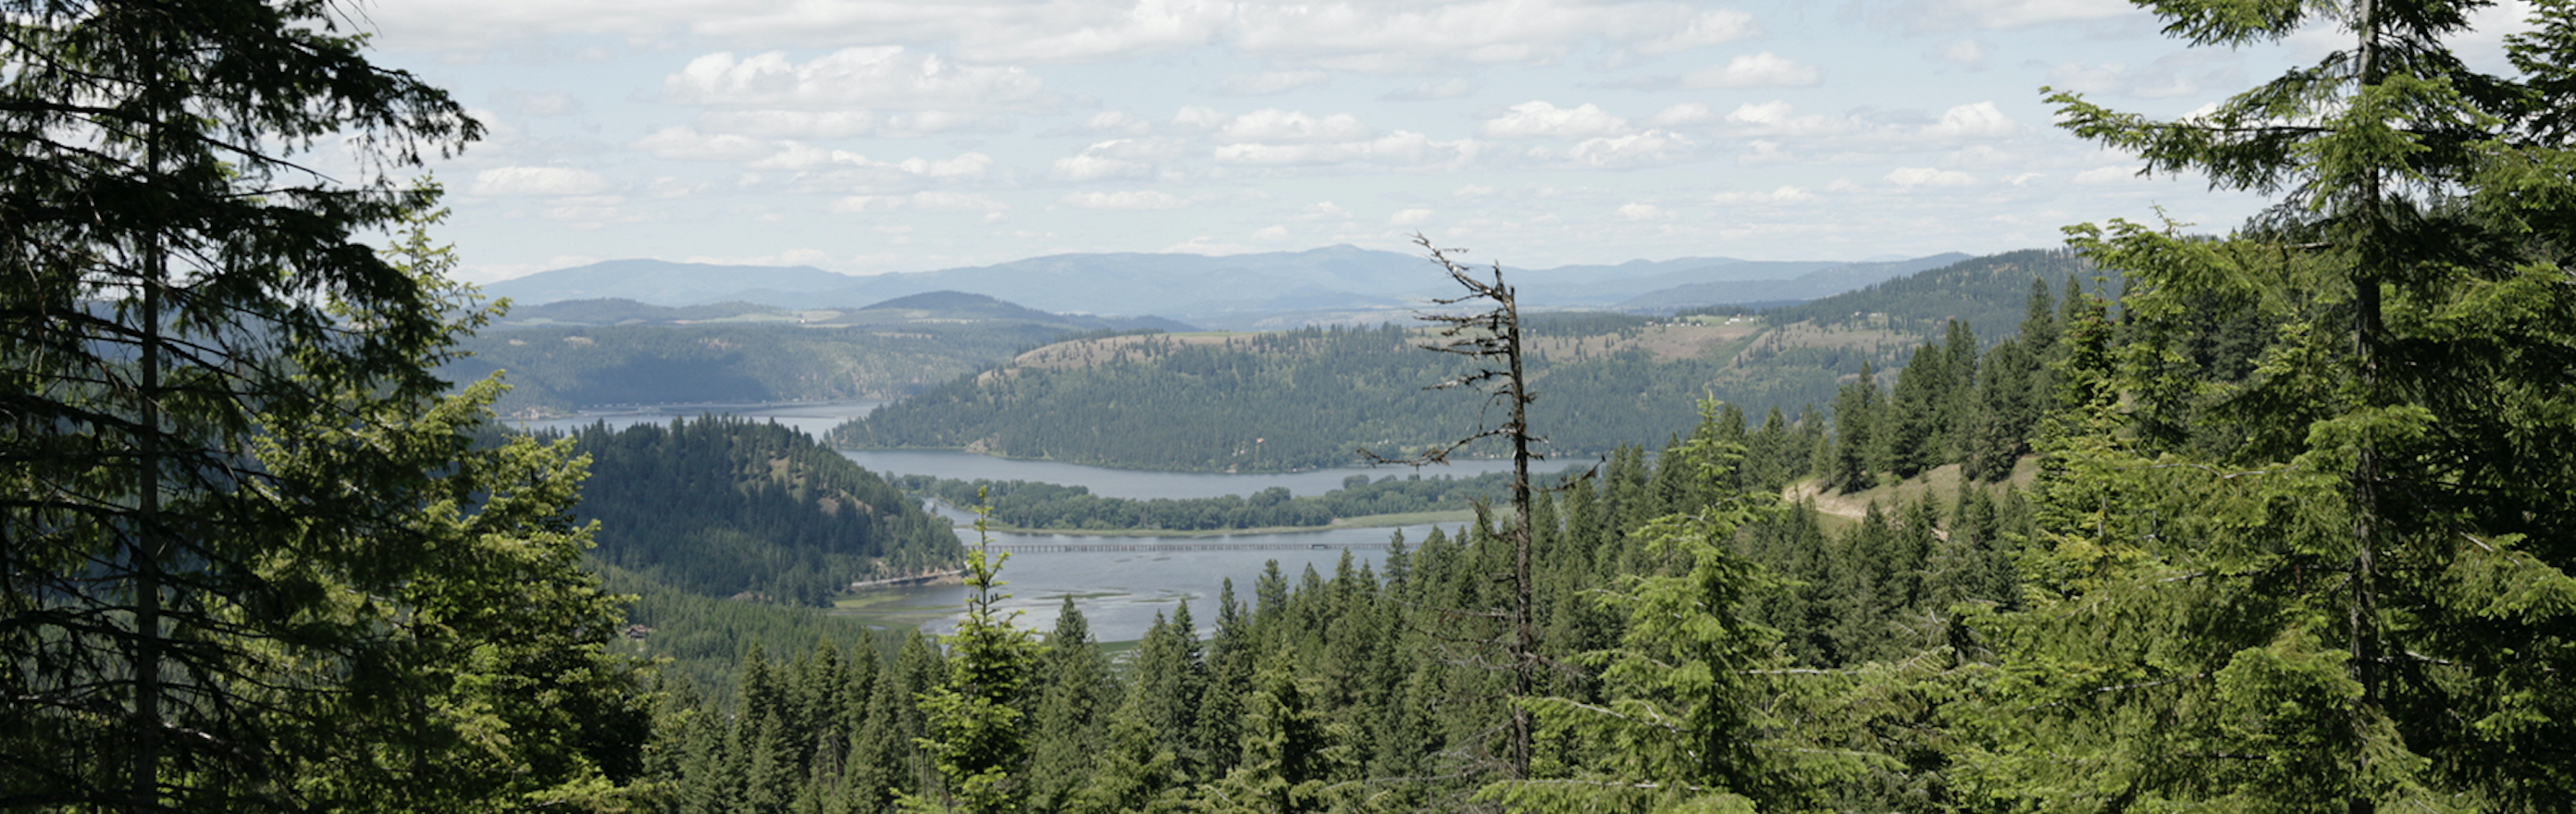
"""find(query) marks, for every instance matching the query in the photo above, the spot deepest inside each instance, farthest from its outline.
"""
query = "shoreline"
(1461, 516)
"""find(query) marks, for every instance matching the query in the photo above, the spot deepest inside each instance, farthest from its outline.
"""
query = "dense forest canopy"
(725, 507)
(1032, 505)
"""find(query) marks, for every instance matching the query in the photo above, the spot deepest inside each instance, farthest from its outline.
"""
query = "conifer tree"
(1072, 691)
(2348, 606)
(976, 740)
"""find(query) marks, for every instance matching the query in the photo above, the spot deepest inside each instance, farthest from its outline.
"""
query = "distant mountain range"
(1267, 290)
(936, 307)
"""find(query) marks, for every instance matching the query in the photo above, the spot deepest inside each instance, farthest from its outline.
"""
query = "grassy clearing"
(1941, 485)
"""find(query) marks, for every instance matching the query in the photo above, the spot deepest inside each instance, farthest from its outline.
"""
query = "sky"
(873, 136)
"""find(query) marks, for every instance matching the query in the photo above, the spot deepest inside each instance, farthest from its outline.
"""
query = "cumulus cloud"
(1127, 201)
(853, 78)
(1116, 123)
(1390, 38)
(1270, 82)
(2106, 176)
(840, 124)
(805, 158)
(1762, 70)
(1980, 120)
(1779, 118)
(1539, 119)
(1644, 211)
(1683, 113)
(1782, 195)
(925, 201)
(1271, 124)
(2006, 15)
(1115, 158)
(538, 182)
(1410, 217)
(1402, 148)
(685, 144)
(1382, 37)
(1930, 177)
(1322, 211)
(1650, 148)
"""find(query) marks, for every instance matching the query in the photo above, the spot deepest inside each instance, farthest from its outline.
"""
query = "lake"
(1119, 592)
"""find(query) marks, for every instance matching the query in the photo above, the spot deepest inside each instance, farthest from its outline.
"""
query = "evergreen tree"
(215, 492)
(1854, 462)
(2350, 604)
(1072, 690)
(975, 739)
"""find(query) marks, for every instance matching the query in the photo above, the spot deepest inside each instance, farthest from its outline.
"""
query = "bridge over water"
(1176, 544)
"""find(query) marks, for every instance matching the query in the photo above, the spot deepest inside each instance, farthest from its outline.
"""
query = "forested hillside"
(1311, 398)
(578, 354)
(1032, 505)
(557, 370)
(728, 508)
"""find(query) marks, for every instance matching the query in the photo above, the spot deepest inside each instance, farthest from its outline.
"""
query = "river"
(1119, 592)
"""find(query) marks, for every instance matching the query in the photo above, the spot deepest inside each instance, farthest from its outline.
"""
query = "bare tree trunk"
(1493, 337)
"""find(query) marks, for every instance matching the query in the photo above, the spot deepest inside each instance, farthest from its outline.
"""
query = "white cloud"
(1391, 38)
(1683, 113)
(873, 77)
(1763, 70)
(1117, 122)
(1128, 201)
(1115, 158)
(1337, 33)
(1645, 211)
(1779, 118)
(2008, 14)
(2107, 176)
(805, 158)
(535, 182)
(1473, 191)
(1930, 177)
(1980, 120)
(1539, 119)
(1410, 217)
(1402, 148)
(1650, 148)
(684, 144)
(1270, 82)
(1088, 167)
(925, 201)
(841, 124)
(1785, 194)
(1201, 116)
(1271, 124)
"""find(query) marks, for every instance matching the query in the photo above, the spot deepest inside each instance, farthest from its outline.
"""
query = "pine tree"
(1072, 690)
(975, 739)
(175, 334)
(2349, 604)
(1854, 461)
